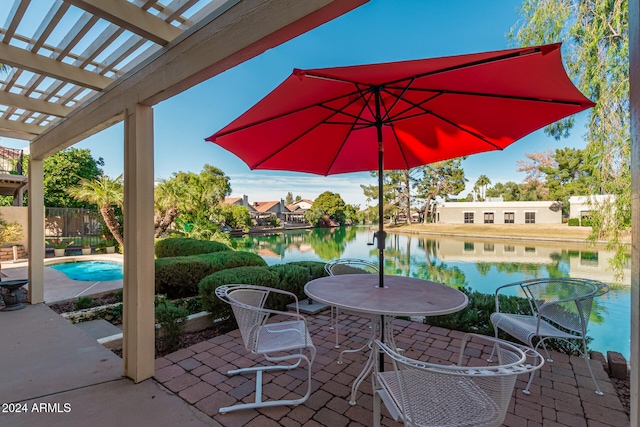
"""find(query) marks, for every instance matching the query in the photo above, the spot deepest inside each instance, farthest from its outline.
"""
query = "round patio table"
(401, 296)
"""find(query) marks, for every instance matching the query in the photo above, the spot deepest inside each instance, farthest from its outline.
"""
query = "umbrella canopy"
(400, 115)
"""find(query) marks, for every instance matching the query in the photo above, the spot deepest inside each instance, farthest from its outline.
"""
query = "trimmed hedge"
(289, 277)
(573, 222)
(316, 268)
(261, 276)
(181, 246)
(178, 277)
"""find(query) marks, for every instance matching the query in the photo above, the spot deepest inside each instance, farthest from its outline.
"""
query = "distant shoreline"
(521, 232)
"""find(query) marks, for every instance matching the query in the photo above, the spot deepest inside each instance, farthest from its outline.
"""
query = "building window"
(489, 247)
(488, 217)
(529, 217)
(469, 247)
(509, 248)
(509, 217)
(468, 217)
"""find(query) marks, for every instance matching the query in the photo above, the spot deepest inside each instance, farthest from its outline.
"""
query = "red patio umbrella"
(400, 115)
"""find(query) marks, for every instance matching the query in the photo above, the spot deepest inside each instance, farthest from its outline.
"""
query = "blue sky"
(380, 31)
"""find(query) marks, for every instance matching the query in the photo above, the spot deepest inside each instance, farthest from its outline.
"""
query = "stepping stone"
(308, 307)
(98, 328)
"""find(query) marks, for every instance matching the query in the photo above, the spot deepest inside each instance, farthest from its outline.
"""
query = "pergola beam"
(222, 40)
(25, 128)
(39, 64)
(130, 17)
(33, 104)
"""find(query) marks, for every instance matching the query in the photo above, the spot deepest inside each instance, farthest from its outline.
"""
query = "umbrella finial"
(300, 73)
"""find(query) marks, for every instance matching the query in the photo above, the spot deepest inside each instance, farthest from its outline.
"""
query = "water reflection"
(481, 265)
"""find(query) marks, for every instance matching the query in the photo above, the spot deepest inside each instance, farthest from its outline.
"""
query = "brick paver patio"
(562, 393)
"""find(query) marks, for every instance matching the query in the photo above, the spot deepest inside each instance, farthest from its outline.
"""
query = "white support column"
(36, 231)
(634, 95)
(139, 277)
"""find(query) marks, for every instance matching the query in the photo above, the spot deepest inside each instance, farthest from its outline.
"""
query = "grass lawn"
(560, 232)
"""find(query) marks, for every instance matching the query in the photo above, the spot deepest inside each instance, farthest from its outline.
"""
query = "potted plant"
(58, 245)
(107, 244)
(86, 250)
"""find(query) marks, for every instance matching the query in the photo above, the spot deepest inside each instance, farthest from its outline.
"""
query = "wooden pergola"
(84, 65)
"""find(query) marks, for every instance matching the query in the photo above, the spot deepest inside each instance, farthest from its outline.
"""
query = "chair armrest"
(527, 352)
(500, 288)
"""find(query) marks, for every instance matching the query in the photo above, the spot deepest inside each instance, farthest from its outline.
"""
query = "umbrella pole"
(381, 233)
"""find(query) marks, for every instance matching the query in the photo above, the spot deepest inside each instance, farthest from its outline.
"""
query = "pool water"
(95, 271)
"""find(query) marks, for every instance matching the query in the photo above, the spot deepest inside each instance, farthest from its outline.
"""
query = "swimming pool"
(94, 271)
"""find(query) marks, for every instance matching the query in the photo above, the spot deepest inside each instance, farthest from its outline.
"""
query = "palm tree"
(106, 193)
(482, 183)
(166, 200)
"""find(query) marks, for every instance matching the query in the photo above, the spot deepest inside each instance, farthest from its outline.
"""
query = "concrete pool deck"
(57, 286)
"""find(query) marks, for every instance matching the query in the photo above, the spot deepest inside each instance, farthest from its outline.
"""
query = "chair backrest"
(564, 301)
(350, 266)
(247, 303)
(434, 394)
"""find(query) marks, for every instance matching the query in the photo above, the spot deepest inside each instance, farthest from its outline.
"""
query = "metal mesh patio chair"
(560, 309)
(276, 341)
(426, 394)
(348, 266)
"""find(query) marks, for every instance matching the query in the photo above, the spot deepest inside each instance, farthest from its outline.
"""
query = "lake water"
(479, 264)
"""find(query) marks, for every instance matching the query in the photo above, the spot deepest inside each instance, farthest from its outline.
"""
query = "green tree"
(64, 170)
(571, 176)
(393, 185)
(289, 199)
(107, 194)
(330, 206)
(439, 180)
(596, 48)
(193, 200)
(235, 216)
(352, 214)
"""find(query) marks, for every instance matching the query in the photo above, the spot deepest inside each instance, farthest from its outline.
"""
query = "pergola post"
(634, 95)
(139, 277)
(36, 231)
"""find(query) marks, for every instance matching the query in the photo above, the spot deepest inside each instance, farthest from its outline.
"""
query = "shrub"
(586, 221)
(178, 277)
(292, 278)
(261, 276)
(85, 302)
(180, 246)
(171, 319)
(574, 222)
(316, 268)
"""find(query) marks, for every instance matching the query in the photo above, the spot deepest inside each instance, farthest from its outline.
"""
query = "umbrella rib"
(344, 141)
(324, 121)
(413, 105)
(503, 57)
(526, 52)
(288, 113)
(397, 97)
(406, 163)
(494, 95)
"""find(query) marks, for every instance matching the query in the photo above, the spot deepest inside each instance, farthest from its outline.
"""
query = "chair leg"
(376, 409)
(586, 360)
(336, 326)
(493, 350)
(259, 403)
